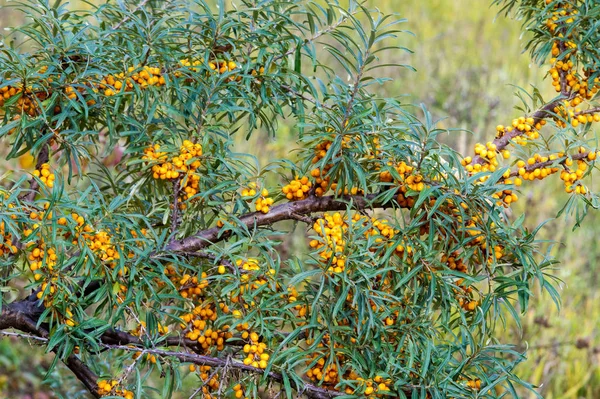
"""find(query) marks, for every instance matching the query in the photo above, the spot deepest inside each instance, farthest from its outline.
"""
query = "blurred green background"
(468, 62)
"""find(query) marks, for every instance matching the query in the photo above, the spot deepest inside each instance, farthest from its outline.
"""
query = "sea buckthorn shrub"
(145, 247)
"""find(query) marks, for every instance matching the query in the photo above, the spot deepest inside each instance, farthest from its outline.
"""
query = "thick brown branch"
(287, 211)
(118, 337)
(22, 316)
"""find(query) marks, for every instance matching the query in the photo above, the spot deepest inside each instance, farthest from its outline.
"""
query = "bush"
(156, 244)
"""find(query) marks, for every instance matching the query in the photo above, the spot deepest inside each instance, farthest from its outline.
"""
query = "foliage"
(137, 227)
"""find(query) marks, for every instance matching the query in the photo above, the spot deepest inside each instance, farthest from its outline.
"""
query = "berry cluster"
(377, 387)
(40, 258)
(533, 169)
(454, 262)
(6, 238)
(210, 381)
(45, 175)
(321, 175)
(474, 384)
(255, 350)
(408, 179)
(321, 371)
(27, 103)
(111, 388)
(297, 189)
(183, 166)
(572, 177)
(7, 92)
(238, 391)
(251, 279)
(263, 202)
(507, 196)
(147, 76)
(188, 286)
(331, 245)
(464, 295)
(221, 66)
(575, 116)
(100, 242)
(200, 326)
(328, 373)
(293, 297)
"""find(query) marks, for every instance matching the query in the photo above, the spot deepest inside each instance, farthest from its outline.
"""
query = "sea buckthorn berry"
(45, 175)
(474, 384)
(183, 166)
(297, 189)
(255, 350)
(331, 228)
(238, 391)
(6, 246)
(263, 202)
(111, 388)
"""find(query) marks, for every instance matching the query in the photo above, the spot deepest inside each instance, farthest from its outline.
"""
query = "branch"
(502, 142)
(564, 85)
(541, 165)
(311, 100)
(310, 390)
(588, 111)
(287, 211)
(118, 337)
(23, 315)
(13, 317)
(302, 218)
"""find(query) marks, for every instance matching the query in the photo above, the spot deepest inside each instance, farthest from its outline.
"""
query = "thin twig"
(309, 389)
(204, 382)
(24, 336)
(128, 17)
(315, 36)
(588, 111)
(540, 165)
